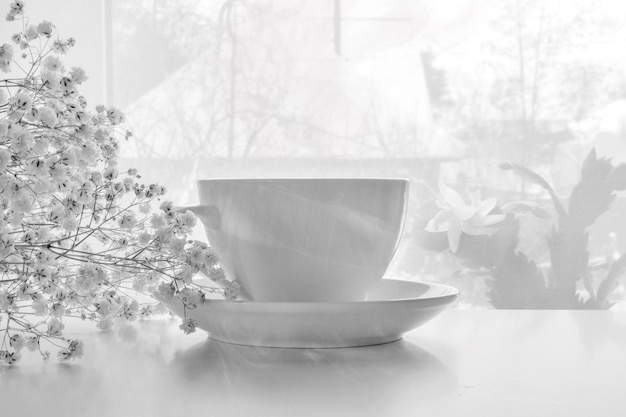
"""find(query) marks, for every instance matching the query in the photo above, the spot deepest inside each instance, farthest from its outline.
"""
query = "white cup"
(303, 239)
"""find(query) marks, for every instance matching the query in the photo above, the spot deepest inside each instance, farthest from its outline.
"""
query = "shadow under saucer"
(373, 380)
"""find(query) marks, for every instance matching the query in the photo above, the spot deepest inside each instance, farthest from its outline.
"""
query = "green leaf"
(610, 282)
(517, 283)
(588, 164)
(593, 195)
(617, 178)
(595, 169)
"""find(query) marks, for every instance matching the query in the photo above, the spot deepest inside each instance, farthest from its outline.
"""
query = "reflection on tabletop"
(152, 369)
(324, 381)
(488, 363)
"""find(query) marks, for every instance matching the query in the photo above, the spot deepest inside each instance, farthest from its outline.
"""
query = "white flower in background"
(16, 9)
(115, 116)
(191, 298)
(188, 325)
(457, 217)
(47, 116)
(31, 33)
(6, 55)
(78, 75)
(55, 327)
(3, 98)
(21, 101)
(60, 47)
(53, 63)
(45, 28)
(166, 291)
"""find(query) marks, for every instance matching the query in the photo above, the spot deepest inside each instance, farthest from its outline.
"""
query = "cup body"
(304, 239)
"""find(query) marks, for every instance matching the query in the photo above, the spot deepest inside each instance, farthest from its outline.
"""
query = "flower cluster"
(78, 234)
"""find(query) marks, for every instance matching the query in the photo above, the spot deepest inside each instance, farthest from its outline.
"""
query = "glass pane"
(438, 92)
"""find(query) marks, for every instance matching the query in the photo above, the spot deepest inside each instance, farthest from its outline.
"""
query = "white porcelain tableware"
(303, 239)
(393, 308)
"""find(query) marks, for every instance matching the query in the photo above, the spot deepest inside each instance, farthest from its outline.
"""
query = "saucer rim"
(449, 295)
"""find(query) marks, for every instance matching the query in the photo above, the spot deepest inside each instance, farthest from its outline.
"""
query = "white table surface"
(462, 363)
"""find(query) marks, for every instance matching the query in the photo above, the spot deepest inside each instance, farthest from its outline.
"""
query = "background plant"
(78, 235)
(516, 280)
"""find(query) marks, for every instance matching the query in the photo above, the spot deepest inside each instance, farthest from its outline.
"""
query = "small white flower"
(60, 47)
(47, 116)
(177, 246)
(78, 75)
(32, 343)
(55, 327)
(231, 292)
(53, 63)
(31, 33)
(188, 325)
(191, 298)
(45, 28)
(6, 56)
(127, 221)
(12, 358)
(115, 116)
(17, 8)
(186, 274)
(130, 310)
(166, 291)
(21, 101)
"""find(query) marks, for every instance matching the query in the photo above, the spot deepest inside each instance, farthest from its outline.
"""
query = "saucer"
(393, 308)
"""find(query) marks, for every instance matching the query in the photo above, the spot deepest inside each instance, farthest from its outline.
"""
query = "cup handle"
(209, 215)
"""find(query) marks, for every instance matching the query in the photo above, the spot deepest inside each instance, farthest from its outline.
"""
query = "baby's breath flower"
(45, 28)
(115, 116)
(17, 342)
(55, 327)
(60, 47)
(130, 310)
(21, 101)
(47, 116)
(78, 75)
(52, 63)
(127, 221)
(16, 8)
(32, 343)
(12, 358)
(73, 232)
(188, 325)
(231, 292)
(177, 246)
(31, 33)
(166, 291)
(191, 298)
(6, 55)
